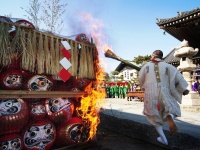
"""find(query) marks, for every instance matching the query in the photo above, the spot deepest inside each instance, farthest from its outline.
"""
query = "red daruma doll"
(71, 132)
(59, 109)
(11, 79)
(39, 135)
(14, 115)
(37, 110)
(11, 142)
(40, 83)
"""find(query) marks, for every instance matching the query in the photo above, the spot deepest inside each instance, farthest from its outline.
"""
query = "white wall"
(127, 74)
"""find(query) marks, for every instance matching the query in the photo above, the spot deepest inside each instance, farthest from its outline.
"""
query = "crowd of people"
(117, 90)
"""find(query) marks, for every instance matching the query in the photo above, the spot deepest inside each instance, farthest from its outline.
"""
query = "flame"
(91, 105)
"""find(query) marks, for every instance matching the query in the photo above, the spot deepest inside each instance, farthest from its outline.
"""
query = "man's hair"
(158, 54)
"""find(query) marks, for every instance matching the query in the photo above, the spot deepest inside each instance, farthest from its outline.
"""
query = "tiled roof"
(170, 57)
(186, 25)
(181, 17)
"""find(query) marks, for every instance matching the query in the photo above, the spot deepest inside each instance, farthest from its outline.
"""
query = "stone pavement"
(136, 126)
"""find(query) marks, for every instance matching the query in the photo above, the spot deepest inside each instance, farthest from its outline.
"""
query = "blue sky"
(129, 26)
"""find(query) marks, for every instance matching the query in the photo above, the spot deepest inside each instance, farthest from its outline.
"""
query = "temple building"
(186, 25)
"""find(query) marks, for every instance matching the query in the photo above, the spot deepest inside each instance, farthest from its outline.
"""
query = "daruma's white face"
(14, 144)
(9, 107)
(40, 83)
(13, 80)
(39, 136)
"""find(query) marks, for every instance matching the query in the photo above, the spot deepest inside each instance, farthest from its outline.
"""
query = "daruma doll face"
(38, 111)
(40, 83)
(11, 142)
(39, 135)
(59, 109)
(12, 79)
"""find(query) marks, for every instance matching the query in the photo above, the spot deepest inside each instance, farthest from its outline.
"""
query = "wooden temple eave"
(182, 18)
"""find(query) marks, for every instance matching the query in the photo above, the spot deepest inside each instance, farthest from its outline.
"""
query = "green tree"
(115, 72)
(140, 60)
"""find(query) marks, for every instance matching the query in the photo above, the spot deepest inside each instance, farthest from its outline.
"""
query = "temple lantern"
(39, 135)
(14, 115)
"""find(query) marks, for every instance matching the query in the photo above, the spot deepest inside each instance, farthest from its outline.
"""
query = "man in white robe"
(164, 86)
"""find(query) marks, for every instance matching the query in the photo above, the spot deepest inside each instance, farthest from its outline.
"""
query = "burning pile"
(30, 62)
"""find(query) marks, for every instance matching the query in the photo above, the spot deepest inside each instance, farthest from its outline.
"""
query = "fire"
(91, 105)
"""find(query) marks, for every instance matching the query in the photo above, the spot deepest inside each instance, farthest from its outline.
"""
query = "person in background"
(194, 85)
(107, 91)
(163, 88)
(116, 89)
(121, 91)
(125, 90)
(112, 91)
(198, 86)
(134, 87)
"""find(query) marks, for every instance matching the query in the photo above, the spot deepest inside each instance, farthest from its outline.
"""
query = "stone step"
(191, 108)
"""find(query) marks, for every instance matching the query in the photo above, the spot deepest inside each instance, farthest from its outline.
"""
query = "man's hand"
(186, 92)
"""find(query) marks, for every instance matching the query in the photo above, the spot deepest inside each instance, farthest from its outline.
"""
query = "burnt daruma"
(59, 109)
(71, 132)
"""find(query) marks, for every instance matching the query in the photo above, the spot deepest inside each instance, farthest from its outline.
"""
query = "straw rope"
(83, 68)
(46, 52)
(40, 55)
(52, 55)
(57, 51)
(5, 48)
(22, 46)
(40, 52)
(90, 62)
(74, 58)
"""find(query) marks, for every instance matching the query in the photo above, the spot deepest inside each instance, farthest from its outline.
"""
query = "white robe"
(168, 92)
